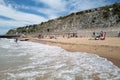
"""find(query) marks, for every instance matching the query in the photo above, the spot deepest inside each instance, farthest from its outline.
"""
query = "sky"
(19, 13)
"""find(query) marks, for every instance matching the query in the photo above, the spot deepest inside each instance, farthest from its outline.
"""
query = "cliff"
(104, 18)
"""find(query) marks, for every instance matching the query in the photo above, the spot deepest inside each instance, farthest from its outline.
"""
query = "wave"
(54, 63)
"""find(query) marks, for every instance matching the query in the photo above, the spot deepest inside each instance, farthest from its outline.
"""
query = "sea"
(26, 60)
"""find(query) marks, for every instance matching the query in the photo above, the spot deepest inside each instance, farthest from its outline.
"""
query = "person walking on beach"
(16, 40)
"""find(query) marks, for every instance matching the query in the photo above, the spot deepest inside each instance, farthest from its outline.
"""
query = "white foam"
(61, 64)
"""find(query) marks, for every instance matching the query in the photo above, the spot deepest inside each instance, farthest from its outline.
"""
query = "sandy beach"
(108, 48)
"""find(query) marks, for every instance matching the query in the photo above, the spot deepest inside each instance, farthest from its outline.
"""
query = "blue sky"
(18, 13)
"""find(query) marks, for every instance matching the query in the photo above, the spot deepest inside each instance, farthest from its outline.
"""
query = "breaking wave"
(46, 62)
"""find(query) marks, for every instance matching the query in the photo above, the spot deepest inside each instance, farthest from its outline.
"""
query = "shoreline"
(107, 49)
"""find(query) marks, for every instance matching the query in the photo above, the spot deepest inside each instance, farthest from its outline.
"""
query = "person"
(103, 36)
(97, 36)
(94, 34)
(119, 34)
(16, 40)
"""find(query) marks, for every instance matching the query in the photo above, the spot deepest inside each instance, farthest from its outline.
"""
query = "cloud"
(54, 4)
(12, 23)
(50, 13)
(18, 18)
(52, 9)
(2, 2)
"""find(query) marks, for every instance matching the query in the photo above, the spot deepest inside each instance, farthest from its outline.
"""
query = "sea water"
(35, 61)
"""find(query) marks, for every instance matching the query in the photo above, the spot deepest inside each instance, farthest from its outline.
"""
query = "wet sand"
(108, 48)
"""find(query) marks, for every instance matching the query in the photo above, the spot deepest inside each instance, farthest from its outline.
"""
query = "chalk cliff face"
(98, 18)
